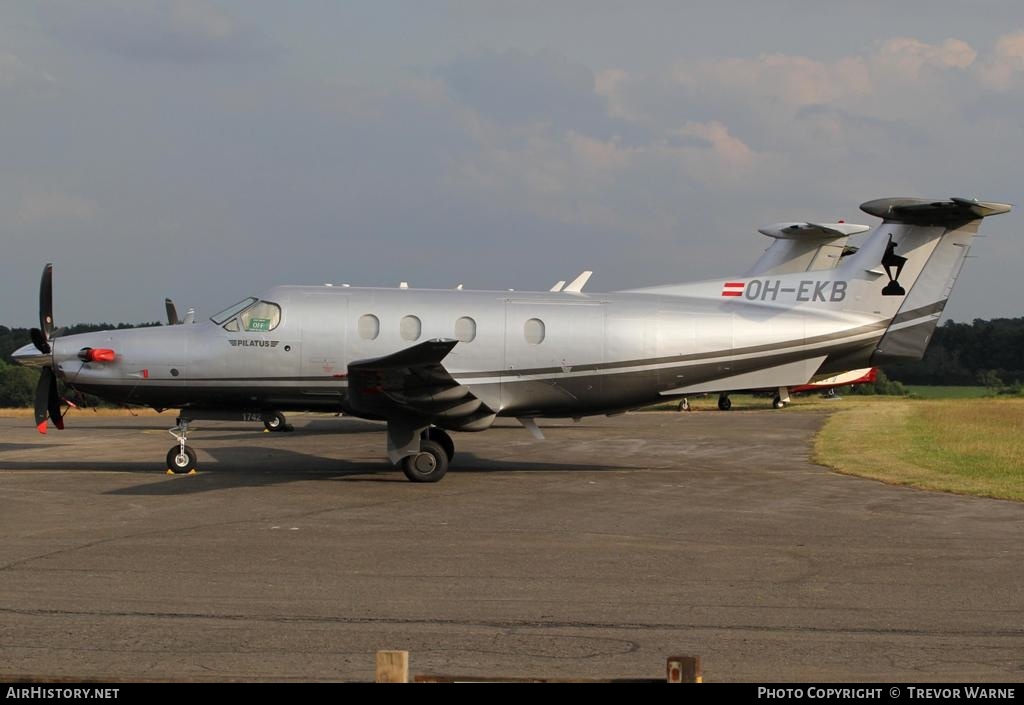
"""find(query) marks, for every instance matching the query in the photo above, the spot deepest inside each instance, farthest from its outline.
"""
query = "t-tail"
(907, 268)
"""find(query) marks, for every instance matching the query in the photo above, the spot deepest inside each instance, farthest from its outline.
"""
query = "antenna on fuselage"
(577, 284)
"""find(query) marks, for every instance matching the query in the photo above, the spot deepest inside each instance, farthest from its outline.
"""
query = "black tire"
(777, 403)
(724, 403)
(275, 422)
(684, 405)
(429, 465)
(441, 437)
(181, 464)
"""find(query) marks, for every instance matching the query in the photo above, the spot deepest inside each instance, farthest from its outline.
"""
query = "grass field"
(967, 446)
(933, 392)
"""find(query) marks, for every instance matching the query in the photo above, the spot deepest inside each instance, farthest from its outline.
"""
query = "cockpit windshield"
(250, 314)
(233, 310)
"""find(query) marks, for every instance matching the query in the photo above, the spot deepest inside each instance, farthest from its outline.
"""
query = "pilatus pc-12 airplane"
(431, 361)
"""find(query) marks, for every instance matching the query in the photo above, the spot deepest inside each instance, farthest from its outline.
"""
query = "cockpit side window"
(261, 317)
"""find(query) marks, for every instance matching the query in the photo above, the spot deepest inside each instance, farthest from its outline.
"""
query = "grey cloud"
(863, 126)
(515, 87)
(161, 31)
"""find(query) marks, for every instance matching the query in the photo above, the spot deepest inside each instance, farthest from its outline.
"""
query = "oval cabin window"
(411, 328)
(368, 327)
(533, 331)
(465, 329)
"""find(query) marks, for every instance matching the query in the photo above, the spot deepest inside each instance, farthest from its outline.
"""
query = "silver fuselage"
(598, 354)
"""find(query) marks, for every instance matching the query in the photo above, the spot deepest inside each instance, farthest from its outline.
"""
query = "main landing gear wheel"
(181, 463)
(723, 403)
(429, 465)
(441, 437)
(777, 402)
(276, 422)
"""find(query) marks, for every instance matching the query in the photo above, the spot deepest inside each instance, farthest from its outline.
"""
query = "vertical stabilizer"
(913, 258)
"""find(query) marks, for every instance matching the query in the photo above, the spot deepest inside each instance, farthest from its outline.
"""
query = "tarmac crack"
(517, 624)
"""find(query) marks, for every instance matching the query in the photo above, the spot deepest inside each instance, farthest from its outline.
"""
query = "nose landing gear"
(181, 458)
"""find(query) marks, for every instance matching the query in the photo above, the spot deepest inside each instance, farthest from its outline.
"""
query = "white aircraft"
(432, 361)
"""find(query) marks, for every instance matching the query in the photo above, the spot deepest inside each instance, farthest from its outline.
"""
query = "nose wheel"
(181, 458)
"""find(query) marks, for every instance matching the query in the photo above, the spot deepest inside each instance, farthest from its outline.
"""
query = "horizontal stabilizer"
(921, 211)
(812, 231)
(803, 247)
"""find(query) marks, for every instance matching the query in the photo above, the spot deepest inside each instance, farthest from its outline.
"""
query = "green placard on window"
(259, 324)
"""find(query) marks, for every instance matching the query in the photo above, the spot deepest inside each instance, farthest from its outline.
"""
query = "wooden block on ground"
(392, 666)
(684, 669)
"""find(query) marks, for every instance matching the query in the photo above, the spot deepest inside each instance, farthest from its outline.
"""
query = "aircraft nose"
(29, 356)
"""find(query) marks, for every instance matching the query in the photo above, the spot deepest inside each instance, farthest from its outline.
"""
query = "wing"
(412, 383)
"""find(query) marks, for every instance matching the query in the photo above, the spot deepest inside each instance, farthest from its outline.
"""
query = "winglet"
(558, 285)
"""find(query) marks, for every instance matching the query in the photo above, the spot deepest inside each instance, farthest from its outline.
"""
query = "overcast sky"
(206, 150)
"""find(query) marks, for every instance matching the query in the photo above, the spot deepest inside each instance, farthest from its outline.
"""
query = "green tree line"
(988, 353)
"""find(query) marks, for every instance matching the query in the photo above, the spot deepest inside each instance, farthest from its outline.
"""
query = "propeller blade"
(43, 398)
(47, 400)
(172, 313)
(53, 403)
(46, 302)
(39, 340)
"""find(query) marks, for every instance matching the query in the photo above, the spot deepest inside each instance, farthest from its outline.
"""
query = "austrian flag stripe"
(732, 289)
